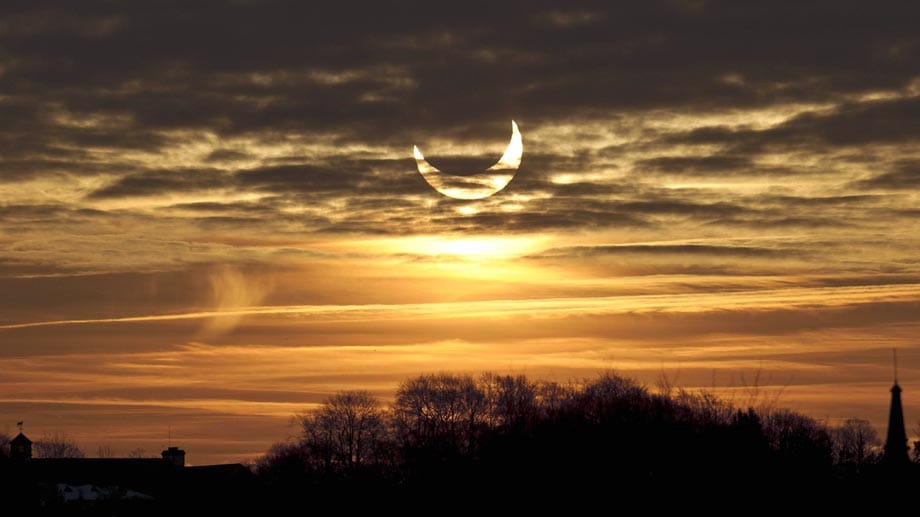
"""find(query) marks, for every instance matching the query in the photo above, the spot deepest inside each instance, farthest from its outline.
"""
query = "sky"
(211, 217)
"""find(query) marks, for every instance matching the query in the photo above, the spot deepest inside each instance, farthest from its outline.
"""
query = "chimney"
(175, 456)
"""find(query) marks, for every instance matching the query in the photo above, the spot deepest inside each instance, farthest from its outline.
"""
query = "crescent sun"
(480, 185)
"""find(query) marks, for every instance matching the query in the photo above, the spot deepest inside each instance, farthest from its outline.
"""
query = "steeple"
(20, 448)
(896, 442)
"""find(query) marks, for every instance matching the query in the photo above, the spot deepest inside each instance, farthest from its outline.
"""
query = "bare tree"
(512, 400)
(551, 397)
(798, 437)
(703, 406)
(104, 451)
(346, 430)
(604, 396)
(4, 445)
(856, 443)
(666, 383)
(139, 453)
(283, 460)
(57, 445)
(915, 449)
(758, 396)
(441, 411)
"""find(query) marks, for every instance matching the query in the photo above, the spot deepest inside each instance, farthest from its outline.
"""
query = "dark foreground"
(451, 444)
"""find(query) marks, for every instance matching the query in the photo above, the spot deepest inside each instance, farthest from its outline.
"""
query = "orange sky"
(212, 232)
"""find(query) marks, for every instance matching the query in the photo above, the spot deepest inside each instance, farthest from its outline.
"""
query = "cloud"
(232, 289)
(704, 164)
(154, 183)
(668, 250)
(904, 176)
(846, 124)
(232, 292)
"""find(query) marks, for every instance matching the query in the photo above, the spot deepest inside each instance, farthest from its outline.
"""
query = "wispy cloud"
(786, 299)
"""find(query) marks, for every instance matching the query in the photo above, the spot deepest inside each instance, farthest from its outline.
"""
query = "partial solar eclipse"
(478, 185)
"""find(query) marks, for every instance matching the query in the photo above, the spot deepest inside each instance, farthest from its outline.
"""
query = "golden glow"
(481, 248)
(477, 248)
(468, 210)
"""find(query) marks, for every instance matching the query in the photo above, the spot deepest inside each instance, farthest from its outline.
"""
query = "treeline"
(501, 433)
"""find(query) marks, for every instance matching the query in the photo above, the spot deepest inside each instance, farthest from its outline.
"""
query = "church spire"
(896, 442)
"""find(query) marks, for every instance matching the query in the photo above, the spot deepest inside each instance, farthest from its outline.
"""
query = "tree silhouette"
(4, 445)
(799, 440)
(56, 445)
(856, 444)
(441, 413)
(551, 398)
(500, 434)
(511, 400)
(346, 431)
(139, 453)
(915, 445)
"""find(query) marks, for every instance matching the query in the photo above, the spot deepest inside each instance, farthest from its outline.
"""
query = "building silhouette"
(20, 448)
(895, 453)
(154, 479)
(175, 456)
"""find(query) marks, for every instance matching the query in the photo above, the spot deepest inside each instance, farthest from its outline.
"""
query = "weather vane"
(19, 425)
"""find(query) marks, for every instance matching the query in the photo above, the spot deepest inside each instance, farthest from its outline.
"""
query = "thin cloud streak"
(696, 302)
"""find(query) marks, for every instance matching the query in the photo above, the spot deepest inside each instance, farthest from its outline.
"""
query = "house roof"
(20, 438)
